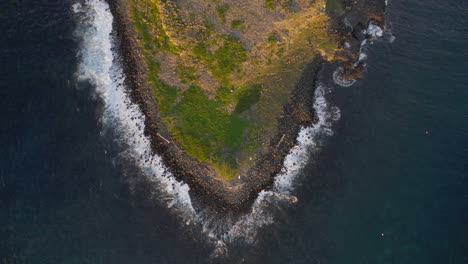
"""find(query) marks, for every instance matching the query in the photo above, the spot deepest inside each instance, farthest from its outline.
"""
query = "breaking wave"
(310, 140)
(102, 69)
(100, 66)
(372, 33)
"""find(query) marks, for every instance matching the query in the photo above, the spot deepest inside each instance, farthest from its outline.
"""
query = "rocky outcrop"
(238, 194)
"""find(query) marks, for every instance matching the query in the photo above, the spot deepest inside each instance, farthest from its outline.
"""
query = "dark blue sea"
(388, 182)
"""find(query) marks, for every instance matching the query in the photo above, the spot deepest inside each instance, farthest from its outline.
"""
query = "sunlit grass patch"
(270, 4)
(224, 60)
(238, 24)
(149, 23)
(226, 94)
(206, 130)
(247, 98)
(222, 10)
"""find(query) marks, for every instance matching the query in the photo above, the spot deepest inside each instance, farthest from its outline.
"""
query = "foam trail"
(102, 69)
(310, 140)
(338, 78)
(372, 33)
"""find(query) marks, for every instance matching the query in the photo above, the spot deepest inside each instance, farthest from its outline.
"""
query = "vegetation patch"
(222, 11)
(224, 60)
(207, 131)
(186, 74)
(237, 24)
(270, 4)
(247, 98)
(219, 93)
(153, 34)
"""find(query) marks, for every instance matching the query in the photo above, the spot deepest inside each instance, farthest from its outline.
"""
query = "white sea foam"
(100, 66)
(338, 78)
(310, 141)
(373, 32)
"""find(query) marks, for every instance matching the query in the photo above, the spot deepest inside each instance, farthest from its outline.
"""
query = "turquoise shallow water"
(390, 186)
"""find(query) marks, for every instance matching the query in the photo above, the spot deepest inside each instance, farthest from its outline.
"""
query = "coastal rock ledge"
(349, 21)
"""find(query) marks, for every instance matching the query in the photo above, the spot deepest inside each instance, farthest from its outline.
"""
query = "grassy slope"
(225, 130)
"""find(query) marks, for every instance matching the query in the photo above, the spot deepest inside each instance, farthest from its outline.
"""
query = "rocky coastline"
(238, 194)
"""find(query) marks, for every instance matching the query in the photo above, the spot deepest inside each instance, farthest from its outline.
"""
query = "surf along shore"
(350, 20)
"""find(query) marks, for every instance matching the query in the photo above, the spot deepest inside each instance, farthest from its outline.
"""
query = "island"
(226, 85)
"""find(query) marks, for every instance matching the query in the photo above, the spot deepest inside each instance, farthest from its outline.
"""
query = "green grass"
(270, 4)
(201, 51)
(237, 24)
(186, 74)
(154, 35)
(209, 29)
(207, 131)
(222, 10)
(225, 130)
(274, 37)
(225, 95)
(228, 57)
(154, 38)
(223, 61)
(166, 94)
(247, 98)
(202, 126)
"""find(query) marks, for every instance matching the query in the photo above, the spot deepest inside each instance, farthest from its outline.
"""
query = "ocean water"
(382, 178)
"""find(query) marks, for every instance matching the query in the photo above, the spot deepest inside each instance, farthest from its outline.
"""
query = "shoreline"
(203, 181)
(210, 189)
